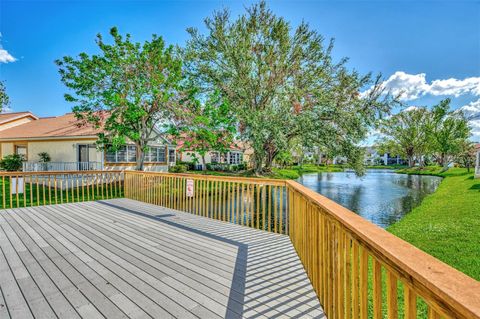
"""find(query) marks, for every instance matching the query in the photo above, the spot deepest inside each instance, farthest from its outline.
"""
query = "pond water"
(380, 196)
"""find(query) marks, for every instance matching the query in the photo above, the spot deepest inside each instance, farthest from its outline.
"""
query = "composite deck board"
(121, 258)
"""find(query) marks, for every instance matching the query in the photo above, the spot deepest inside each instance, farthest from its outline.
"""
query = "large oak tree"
(283, 84)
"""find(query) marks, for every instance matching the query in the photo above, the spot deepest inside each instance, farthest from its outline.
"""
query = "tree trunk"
(410, 161)
(271, 152)
(441, 160)
(319, 158)
(204, 163)
(257, 163)
(140, 157)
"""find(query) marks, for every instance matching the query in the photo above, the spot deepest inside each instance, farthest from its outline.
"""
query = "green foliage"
(205, 127)
(44, 157)
(11, 162)
(126, 90)
(419, 133)
(466, 155)
(286, 173)
(282, 83)
(190, 165)
(284, 158)
(406, 134)
(4, 99)
(449, 132)
(447, 224)
(179, 168)
(225, 167)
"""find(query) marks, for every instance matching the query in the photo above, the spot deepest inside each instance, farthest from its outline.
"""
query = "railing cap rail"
(20, 173)
(253, 180)
(460, 292)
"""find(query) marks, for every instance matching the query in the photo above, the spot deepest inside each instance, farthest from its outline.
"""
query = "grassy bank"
(292, 172)
(447, 223)
(295, 172)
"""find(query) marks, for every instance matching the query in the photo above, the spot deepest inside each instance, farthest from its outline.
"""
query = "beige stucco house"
(70, 146)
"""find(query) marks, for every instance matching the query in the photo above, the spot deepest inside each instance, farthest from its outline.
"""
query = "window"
(161, 154)
(171, 156)
(155, 154)
(21, 150)
(131, 153)
(215, 157)
(128, 154)
(235, 158)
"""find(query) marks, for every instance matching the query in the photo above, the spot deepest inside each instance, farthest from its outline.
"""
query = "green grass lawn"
(45, 194)
(447, 223)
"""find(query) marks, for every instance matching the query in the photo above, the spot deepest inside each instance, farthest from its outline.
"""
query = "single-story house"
(70, 146)
(237, 154)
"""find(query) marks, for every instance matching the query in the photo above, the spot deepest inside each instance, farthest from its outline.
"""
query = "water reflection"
(380, 196)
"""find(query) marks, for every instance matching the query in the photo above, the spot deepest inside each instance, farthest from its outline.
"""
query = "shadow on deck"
(126, 259)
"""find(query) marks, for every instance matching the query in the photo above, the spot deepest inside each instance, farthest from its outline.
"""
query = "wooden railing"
(23, 189)
(357, 269)
(254, 202)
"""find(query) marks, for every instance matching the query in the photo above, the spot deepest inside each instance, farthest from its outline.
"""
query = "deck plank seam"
(77, 285)
(72, 229)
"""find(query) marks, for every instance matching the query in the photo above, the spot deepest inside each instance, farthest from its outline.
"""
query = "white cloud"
(414, 86)
(455, 87)
(472, 112)
(472, 109)
(5, 57)
(410, 108)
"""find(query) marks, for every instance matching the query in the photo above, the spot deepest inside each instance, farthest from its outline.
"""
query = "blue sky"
(428, 49)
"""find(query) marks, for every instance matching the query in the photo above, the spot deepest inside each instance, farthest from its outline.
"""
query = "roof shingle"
(60, 126)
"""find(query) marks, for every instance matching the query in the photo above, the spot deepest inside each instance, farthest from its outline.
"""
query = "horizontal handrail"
(257, 203)
(446, 291)
(250, 180)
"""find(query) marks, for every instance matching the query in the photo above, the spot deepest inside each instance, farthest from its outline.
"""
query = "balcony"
(171, 245)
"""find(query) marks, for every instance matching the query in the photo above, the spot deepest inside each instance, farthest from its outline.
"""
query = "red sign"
(190, 188)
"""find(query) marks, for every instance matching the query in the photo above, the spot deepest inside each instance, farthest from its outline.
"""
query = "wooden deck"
(126, 259)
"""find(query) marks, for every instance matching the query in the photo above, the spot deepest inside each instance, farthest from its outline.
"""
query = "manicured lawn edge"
(447, 222)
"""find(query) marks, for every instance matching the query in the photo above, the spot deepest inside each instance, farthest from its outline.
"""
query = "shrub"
(287, 173)
(242, 167)
(225, 167)
(44, 157)
(190, 165)
(11, 162)
(179, 168)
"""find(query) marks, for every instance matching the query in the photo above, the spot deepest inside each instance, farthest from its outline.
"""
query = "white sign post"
(17, 185)
(190, 188)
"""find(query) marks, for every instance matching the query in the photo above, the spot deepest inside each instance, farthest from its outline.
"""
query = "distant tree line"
(422, 136)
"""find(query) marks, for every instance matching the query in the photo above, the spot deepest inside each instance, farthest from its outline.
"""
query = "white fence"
(61, 166)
